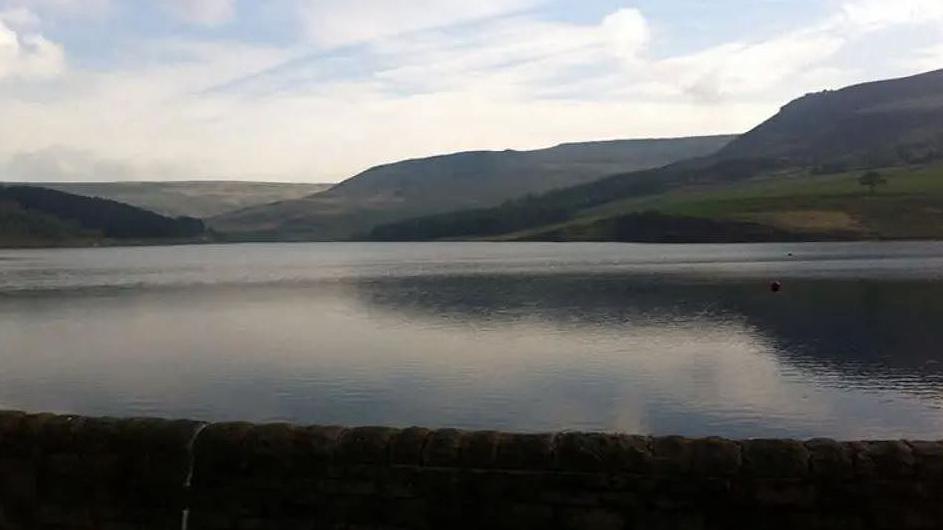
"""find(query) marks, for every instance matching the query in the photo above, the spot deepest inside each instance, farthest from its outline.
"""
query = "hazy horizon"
(261, 179)
(317, 91)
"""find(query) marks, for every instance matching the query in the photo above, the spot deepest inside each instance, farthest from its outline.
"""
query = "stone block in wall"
(220, 451)
(591, 519)
(350, 486)
(897, 515)
(402, 482)
(824, 521)
(49, 433)
(319, 445)
(775, 493)
(406, 447)
(883, 459)
(434, 483)
(670, 521)
(365, 445)
(715, 457)
(584, 498)
(672, 455)
(761, 518)
(490, 487)
(479, 450)
(830, 460)
(688, 493)
(405, 513)
(928, 459)
(443, 448)
(597, 452)
(526, 516)
(10, 430)
(273, 453)
(274, 450)
(156, 455)
(525, 451)
(775, 458)
(19, 490)
(155, 436)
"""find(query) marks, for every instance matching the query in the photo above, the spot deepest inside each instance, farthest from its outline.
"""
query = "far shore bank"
(187, 242)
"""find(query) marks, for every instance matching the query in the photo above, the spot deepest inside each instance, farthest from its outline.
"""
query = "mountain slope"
(884, 124)
(190, 198)
(452, 182)
(873, 124)
(803, 206)
(34, 215)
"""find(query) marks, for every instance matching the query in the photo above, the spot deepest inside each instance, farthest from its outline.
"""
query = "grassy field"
(909, 206)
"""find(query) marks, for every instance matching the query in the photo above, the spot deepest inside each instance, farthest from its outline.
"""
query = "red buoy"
(776, 287)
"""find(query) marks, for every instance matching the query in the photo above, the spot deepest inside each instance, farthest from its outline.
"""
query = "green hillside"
(794, 206)
(452, 182)
(772, 182)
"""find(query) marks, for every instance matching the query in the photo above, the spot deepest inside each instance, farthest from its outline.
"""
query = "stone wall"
(62, 472)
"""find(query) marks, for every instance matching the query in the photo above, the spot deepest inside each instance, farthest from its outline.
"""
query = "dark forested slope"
(43, 214)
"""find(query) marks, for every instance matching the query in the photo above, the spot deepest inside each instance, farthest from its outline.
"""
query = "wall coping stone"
(285, 448)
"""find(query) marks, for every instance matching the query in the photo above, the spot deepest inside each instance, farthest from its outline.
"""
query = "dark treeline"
(510, 217)
(655, 227)
(21, 227)
(108, 218)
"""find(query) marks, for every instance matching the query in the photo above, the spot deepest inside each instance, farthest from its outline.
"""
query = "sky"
(319, 90)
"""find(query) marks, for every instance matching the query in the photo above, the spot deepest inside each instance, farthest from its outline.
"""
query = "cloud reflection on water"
(579, 348)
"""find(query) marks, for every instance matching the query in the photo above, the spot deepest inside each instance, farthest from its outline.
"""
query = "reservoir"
(650, 339)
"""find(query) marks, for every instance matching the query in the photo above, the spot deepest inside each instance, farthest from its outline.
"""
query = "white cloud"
(28, 55)
(428, 77)
(879, 14)
(58, 8)
(930, 58)
(508, 52)
(19, 18)
(339, 22)
(738, 69)
(204, 12)
(64, 164)
(607, 60)
(627, 32)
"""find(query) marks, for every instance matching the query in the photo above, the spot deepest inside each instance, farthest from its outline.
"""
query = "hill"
(452, 182)
(32, 216)
(190, 198)
(804, 206)
(884, 123)
(896, 125)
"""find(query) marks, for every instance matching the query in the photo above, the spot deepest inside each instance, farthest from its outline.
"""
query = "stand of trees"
(108, 218)
(871, 180)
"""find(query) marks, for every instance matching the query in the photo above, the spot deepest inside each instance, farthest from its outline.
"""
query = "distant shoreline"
(175, 243)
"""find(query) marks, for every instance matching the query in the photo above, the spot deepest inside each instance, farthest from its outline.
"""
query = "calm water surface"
(529, 337)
